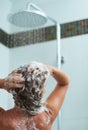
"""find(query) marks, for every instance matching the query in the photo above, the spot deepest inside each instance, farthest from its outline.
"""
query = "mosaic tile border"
(44, 34)
(28, 37)
(74, 28)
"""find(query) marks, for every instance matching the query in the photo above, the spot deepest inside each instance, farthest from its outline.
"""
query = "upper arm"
(56, 98)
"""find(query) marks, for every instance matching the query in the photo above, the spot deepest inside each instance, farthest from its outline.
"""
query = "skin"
(18, 119)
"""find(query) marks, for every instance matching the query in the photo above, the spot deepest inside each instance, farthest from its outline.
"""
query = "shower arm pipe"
(59, 66)
(58, 63)
(58, 42)
(29, 5)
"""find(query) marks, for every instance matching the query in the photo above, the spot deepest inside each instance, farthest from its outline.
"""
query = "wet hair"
(29, 97)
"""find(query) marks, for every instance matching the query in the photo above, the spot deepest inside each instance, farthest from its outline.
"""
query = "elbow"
(66, 82)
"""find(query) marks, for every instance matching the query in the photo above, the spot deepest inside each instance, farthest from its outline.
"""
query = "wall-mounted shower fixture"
(62, 60)
(32, 17)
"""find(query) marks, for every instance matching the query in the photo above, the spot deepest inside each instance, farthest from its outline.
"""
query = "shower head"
(28, 18)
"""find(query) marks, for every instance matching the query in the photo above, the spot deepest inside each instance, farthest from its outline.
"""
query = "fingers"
(17, 82)
(14, 73)
(17, 79)
(15, 85)
(14, 80)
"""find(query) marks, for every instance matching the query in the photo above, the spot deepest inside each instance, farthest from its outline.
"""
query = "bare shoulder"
(1, 109)
(13, 118)
(4, 120)
(2, 112)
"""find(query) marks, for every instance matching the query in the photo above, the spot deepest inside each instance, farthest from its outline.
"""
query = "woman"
(29, 112)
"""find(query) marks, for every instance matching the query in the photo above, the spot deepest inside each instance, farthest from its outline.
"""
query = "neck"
(35, 111)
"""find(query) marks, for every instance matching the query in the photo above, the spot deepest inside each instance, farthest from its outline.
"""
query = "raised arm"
(13, 80)
(56, 98)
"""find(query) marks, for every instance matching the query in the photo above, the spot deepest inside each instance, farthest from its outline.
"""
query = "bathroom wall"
(4, 51)
(4, 69)
(65, 11)
(5, 6)
(75, 107)
(74, 49)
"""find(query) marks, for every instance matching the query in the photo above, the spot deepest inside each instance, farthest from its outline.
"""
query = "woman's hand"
(13, 80)
(50, 68)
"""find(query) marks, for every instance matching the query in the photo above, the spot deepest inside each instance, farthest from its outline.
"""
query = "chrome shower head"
(28, 18)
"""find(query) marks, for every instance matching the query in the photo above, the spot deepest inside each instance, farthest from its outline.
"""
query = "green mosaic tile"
(74, 28)
(28, 37)
(44, 34)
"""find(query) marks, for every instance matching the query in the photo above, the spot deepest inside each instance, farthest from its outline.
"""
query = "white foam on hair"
(41, 66)
(35, 75)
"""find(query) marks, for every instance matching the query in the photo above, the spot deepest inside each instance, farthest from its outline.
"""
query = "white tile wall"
(4, 70)
(76, 124)
(75, 107)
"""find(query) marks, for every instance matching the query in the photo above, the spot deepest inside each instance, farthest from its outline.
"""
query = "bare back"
(17, 119)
